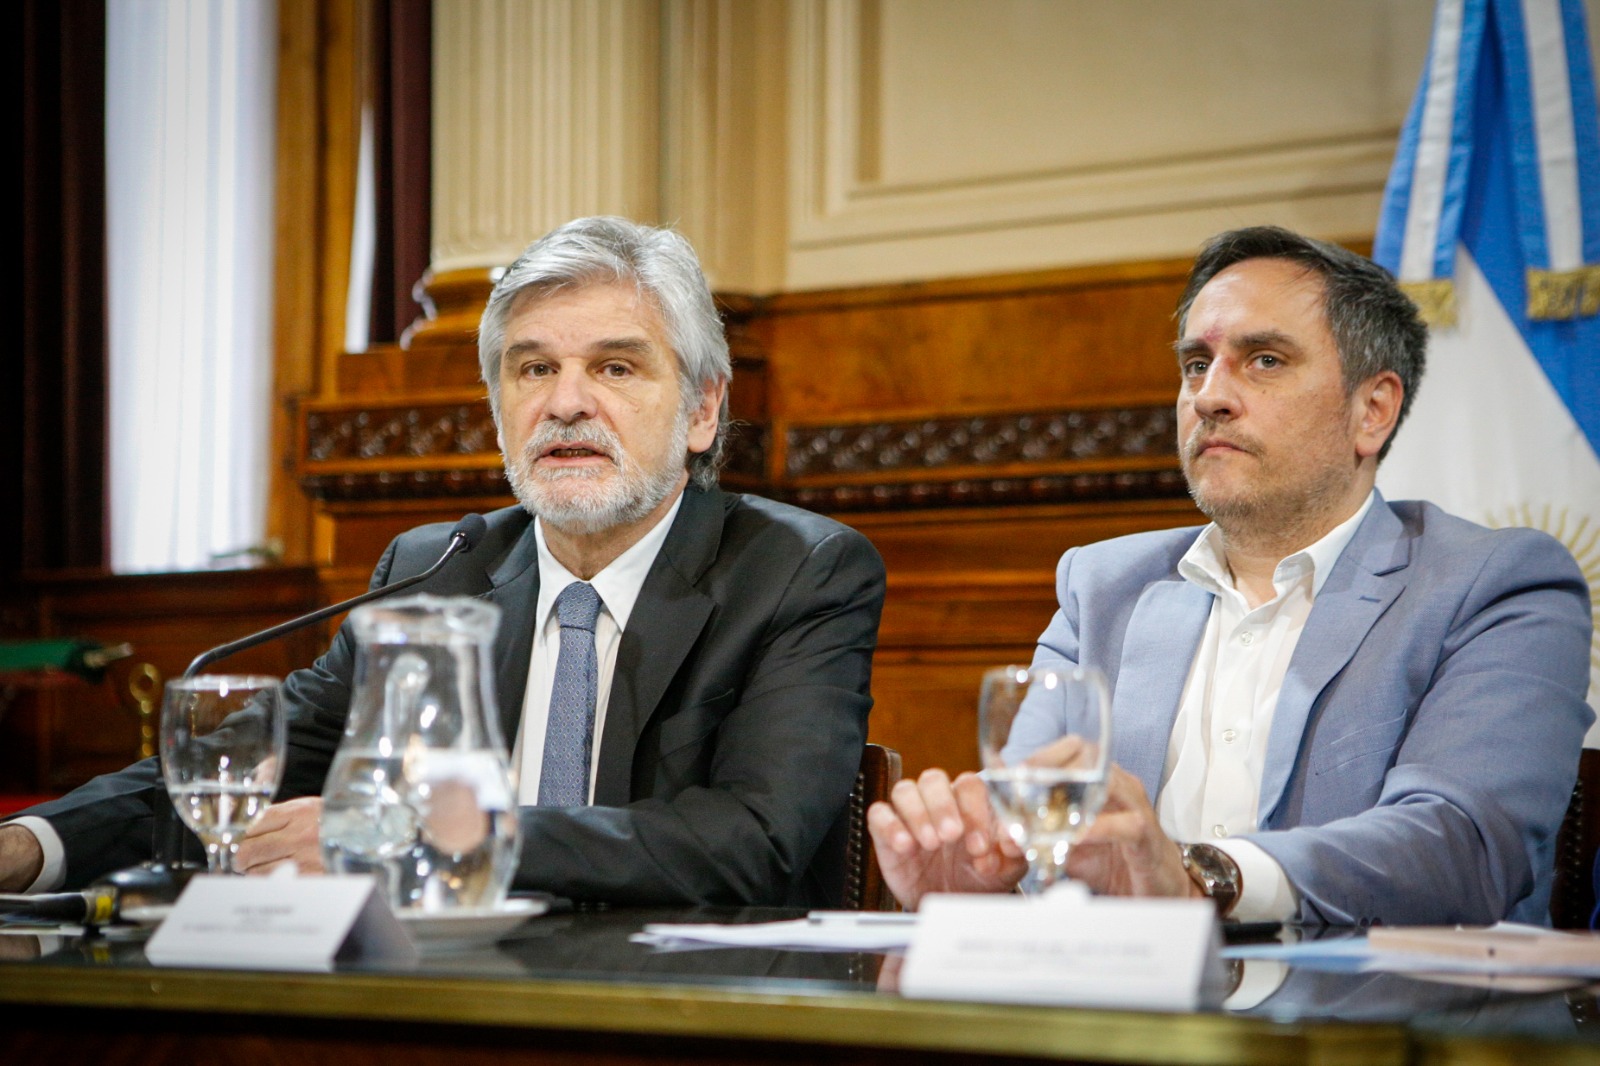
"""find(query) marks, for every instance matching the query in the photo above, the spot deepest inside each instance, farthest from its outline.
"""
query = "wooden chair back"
(864, 888)
(1572, 900)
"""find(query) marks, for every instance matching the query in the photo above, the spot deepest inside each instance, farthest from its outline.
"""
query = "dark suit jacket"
(735, 725)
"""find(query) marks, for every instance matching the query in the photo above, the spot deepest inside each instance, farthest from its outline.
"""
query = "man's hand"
(937, 836)
(286, 832)
(1125, 853)
(21, 858)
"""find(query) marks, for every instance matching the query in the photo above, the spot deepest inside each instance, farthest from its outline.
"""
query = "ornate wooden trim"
(444, 447)
(451, 427)
(980, 440)
(989, 492)
(406, 485)
(448, 448)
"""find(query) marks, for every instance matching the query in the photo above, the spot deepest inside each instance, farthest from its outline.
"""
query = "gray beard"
(585, 502)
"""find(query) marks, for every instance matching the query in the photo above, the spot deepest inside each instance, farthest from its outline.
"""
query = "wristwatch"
(1215, 872)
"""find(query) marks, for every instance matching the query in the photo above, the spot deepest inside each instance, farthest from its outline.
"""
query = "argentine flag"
(1491, 221)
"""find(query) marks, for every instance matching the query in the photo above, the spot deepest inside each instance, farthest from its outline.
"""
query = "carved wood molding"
(988, 492)
(462, 427)
(980, 440)
(448, 448)
(443, 447)
(406, 485)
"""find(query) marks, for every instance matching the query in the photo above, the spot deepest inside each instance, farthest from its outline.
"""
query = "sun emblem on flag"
(1581, 534)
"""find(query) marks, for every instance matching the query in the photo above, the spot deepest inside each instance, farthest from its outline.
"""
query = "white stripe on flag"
(1558, 147)
(1432, 166)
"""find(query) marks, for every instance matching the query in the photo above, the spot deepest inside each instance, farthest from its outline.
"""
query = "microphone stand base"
(149, 884)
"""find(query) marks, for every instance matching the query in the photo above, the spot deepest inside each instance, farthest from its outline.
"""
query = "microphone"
(119, 894)
(463, 538)
(94, 906)
(162, 878)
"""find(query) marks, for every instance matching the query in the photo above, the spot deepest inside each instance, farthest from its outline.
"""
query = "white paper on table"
(1354, 954)
(823, 931)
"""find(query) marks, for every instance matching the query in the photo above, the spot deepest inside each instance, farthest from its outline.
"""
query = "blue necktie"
(569, 734)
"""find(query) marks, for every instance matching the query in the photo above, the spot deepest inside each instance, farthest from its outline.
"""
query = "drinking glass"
(222, 748)
(1044, 734)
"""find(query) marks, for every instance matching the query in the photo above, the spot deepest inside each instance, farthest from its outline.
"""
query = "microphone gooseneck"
(161, 879)
(463, 538)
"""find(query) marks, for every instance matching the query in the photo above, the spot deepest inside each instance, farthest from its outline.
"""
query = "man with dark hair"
(1348, 710)
(725, 707)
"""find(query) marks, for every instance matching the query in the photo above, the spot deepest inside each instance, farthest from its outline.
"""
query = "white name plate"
(279, 923)
(1066, 949)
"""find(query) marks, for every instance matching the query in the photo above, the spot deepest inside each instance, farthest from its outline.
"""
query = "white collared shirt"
(618, 585)
(1216, 756)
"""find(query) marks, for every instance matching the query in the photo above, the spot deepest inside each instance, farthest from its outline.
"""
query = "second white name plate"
(1066, 949)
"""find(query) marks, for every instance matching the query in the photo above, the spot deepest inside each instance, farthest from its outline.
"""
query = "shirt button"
(1219, 831)
(1229, 736)
(1247, 638)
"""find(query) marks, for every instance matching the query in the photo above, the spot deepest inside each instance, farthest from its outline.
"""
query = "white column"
(724, 141)
(544, 111)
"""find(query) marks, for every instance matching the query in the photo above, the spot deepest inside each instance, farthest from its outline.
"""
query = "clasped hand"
(939, 835)
(285, 832)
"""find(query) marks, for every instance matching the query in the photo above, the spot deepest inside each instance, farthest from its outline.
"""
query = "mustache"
(582, 434)
(1205, 435)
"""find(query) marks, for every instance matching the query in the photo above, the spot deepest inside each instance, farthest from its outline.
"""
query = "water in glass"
(222, 750)
(1044, 737)
(420, 791)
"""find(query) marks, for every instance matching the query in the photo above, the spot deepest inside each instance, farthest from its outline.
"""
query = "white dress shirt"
(1211, 784)
(618, 586)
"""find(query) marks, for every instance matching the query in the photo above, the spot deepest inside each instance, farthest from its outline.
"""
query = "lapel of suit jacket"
(516, 592)
(665, 623)
(1364, 581)
(1162, 636)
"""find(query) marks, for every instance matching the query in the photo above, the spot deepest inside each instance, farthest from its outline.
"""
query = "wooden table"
(573, 989)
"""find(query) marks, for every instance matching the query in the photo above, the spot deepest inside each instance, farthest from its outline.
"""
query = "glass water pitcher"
(421, 792)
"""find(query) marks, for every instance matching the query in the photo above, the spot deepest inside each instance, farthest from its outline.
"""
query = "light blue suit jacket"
(1426, 740)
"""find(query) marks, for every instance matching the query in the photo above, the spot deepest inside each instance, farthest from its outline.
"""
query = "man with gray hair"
(707, 752)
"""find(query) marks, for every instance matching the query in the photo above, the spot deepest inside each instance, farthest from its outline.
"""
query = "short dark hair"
(1375, 325)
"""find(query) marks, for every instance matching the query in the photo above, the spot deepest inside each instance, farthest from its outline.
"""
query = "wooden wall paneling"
(319, 81)
(1019, 539)
(971, 589)
(1055, 339)
(393, 369)
(925, 704)
(363, 529)
(81, 731)
(974, 430)
(296, 293)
